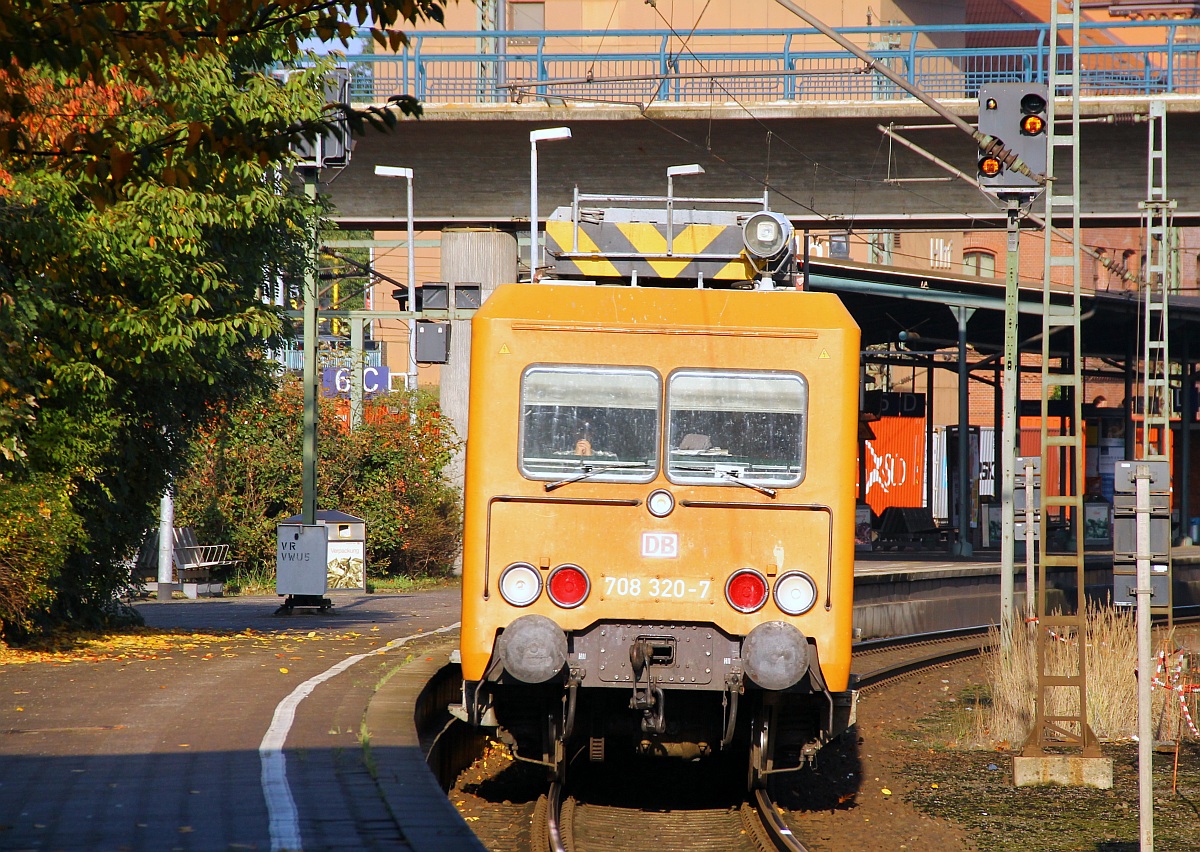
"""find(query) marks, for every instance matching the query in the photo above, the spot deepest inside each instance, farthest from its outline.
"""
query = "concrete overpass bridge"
(783, 110)
(779, 110)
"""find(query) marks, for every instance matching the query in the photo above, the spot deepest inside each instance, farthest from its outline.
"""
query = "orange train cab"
(659, 517)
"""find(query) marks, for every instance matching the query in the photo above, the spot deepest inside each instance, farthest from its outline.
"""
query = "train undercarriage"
(644, 690)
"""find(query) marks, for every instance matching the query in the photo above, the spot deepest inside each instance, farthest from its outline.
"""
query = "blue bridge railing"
(641, 67)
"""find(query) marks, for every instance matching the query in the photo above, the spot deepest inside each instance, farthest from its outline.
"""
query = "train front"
(658, 552)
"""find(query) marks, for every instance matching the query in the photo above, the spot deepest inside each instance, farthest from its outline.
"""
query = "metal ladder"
(1061, 326)
(1158, 281)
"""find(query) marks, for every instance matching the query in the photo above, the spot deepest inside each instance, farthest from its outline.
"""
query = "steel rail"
(780, 834)
(554, 803)
(886, 674)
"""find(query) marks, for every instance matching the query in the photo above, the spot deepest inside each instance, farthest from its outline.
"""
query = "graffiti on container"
(887, 470)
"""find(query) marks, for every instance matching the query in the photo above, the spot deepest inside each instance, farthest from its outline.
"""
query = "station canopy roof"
(886, 301)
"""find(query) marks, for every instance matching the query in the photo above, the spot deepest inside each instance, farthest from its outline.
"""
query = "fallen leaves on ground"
(146, 643)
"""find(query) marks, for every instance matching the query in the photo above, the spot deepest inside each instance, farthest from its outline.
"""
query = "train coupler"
(650, 702)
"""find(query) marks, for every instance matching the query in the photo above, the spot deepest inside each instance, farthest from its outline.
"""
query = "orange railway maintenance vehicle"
(658, 553)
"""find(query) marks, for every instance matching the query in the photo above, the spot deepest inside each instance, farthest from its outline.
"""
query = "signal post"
(1015, 113)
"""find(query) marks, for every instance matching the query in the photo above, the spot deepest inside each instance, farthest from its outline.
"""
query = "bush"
(38, 528)
(245, 477)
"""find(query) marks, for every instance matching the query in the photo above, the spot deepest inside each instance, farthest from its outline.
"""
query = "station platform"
(902, 592)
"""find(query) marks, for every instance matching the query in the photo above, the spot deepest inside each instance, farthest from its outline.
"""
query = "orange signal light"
(990, 167)
(1033, 125)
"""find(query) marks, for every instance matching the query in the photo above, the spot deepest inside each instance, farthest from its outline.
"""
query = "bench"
(908, 526)
(192, 563)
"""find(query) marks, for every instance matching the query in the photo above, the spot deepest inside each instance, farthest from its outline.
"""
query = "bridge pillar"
(483, 256)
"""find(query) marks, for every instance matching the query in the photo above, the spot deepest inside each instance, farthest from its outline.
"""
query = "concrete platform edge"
(429, 822)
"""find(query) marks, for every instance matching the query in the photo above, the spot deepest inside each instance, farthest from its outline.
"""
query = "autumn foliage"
(245, 477)
(145, 205)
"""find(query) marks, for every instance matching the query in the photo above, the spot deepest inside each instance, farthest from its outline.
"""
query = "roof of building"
(886, 301)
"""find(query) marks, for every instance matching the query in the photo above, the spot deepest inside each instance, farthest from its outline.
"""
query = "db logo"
(660, 545)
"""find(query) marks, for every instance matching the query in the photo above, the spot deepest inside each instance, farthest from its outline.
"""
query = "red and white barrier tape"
(1172, 684)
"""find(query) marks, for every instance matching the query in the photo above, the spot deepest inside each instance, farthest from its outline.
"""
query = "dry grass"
(1111, 683)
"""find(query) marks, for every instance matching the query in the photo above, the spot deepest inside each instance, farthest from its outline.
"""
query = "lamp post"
(410, 379)
(672, 173)
(548, 134)
(308, 481)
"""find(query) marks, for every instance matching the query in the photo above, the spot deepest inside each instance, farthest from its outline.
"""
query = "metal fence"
(292, 358)
(641, 67)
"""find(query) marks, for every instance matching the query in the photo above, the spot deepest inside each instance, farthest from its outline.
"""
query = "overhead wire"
(684, 46)
(707, 148)
(592, 65)
(855, 180)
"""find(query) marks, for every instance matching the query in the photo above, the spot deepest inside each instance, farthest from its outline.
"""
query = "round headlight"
(568, 586)
(520, 584)
(660, 503)
(746, 590)
(766, 234)
(795, 593)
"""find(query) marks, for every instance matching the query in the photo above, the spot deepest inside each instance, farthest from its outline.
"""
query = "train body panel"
(604, 526)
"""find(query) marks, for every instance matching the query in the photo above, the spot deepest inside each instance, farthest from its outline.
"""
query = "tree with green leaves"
(145, 206)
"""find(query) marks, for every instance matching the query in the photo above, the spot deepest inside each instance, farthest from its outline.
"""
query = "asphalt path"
(163, 748)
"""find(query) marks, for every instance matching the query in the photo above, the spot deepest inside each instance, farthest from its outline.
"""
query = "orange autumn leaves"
(54, 119)
(155, 644)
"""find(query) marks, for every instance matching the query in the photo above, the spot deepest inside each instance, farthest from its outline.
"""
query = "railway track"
(564, 823)
(885, 661)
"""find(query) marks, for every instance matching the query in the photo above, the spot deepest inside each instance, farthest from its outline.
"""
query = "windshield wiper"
(588, 471)
(733, 475)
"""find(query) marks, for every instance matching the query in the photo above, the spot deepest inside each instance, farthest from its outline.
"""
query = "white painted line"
(281, 807)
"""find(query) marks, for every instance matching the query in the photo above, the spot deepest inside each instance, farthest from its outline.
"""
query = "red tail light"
(568, 586)
(746, 590)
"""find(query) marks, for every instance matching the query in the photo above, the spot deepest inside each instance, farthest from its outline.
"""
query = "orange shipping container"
(894, 463)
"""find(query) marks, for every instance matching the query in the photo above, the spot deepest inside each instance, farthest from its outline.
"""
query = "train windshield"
(599, 421)
(736, 427)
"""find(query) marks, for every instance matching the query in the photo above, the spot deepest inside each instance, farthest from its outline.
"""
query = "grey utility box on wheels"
(346, 557)
(300, 560)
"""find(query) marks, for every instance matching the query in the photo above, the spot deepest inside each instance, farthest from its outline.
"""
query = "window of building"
(941, 251)
(982, 263)
(525, 15)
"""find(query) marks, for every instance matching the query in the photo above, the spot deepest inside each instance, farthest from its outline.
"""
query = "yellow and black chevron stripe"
(616, 249)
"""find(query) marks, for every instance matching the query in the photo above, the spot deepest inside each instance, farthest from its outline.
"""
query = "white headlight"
(795, 593)
(520, 584)
(660, 503)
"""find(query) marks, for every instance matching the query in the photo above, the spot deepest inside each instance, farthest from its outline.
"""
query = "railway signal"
(1014, 114)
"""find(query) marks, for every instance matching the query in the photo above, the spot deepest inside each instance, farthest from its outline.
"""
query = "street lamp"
(410, 379)
(548, 134)
(672, 173)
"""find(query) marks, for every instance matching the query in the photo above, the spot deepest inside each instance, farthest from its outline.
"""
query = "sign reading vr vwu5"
(660, 545)
(300, 559)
